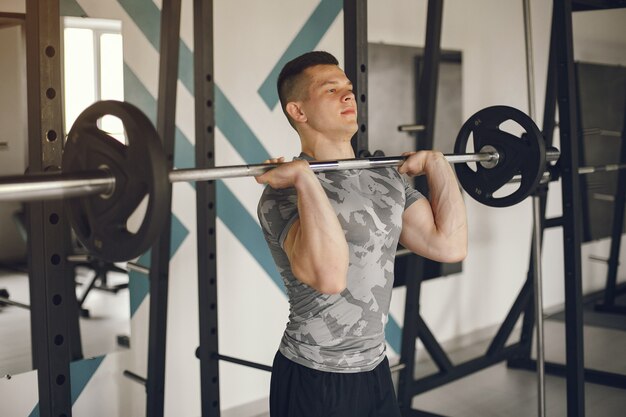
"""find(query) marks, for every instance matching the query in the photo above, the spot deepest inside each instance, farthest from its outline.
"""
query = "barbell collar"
(601, 168)
(411, 128)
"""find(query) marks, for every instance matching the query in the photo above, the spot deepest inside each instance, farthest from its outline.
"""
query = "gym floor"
(109, 317)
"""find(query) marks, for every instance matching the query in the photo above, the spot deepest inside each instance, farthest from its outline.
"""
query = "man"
(333, 237)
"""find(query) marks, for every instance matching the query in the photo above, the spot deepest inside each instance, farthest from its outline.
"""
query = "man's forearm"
(446, 201)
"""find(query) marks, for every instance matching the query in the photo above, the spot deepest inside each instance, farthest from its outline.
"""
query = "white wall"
(250, 36)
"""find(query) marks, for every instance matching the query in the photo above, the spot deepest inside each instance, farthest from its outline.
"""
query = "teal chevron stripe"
(185, 67)
(307, 39)
(229, 121)
(138, 283)
(136, 93)
(71, 8)
(80, 374)
(393, 334)
(146, 16)
(241, 224)
(237, 131)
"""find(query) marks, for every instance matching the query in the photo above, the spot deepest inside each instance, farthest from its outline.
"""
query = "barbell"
(103, 181)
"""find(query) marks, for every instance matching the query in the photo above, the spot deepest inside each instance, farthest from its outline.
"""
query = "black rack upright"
(54, 322)
(206, 210)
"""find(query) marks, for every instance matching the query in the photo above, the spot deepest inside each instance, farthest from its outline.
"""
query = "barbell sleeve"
(51, 186)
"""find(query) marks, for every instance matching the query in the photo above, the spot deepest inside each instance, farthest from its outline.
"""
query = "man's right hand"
(286, 174)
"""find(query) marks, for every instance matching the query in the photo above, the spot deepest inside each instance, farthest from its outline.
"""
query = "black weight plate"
(140, 169)
(525, 155)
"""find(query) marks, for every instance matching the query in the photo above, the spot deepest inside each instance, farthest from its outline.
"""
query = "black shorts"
(298, 391)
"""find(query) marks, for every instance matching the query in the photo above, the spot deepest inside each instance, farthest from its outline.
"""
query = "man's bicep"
(418, 227)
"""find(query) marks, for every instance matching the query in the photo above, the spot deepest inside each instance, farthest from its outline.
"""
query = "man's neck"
(323, 149)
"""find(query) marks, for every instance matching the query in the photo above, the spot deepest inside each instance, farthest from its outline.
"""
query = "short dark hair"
(291, 72)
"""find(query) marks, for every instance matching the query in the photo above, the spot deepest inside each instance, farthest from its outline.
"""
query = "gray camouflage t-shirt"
(342, 332)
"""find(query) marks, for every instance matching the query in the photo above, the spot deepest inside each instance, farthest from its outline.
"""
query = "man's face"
(330, 106)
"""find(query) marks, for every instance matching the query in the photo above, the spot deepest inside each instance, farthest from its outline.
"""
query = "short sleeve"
(277, 211)
(412, 195)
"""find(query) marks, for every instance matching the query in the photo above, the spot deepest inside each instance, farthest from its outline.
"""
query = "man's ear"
(295, 111)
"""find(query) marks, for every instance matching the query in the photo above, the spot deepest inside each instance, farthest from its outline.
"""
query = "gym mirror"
(92, 71)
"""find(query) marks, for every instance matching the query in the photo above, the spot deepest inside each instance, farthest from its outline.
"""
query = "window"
(93, 68)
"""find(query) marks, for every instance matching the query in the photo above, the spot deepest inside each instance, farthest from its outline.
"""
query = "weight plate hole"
(506, 190)
(512, 127)
(134, 221)
(470, 149)
(114, 127)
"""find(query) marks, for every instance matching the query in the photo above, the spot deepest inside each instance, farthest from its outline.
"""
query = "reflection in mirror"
(93, 70)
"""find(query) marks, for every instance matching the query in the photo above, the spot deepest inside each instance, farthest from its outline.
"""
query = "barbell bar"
(104, 182)
(37, 187)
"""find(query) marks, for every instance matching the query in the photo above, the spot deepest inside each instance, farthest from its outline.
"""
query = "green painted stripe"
(237, 131)
(136, 93)
(71, 8)
(185, 67)
(138, 283)
(393, 334)
(80, 374)
(306, 40)
(146, 16)
(247, 230)
(228, 120)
